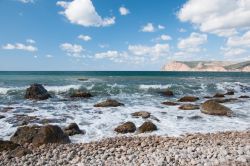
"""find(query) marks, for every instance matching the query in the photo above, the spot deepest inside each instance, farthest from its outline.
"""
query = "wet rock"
(80, 94)
(109, 103)
(1, 116)
(7, 145)
(128, 127)
(229, 93)
(167, 93)
(218, 95)
(142, 114)
(170, 103)
(73, 129)
(179, 117)
(188, 99)
(38, 135)
(82, 79)
(212, 107)
(207, 97)
(37, 92)
(154, 118)
(225, 100)
(244, 97)
(189, 107)
(196, 117)
(7, 109)
(147, 127)
(20, 120)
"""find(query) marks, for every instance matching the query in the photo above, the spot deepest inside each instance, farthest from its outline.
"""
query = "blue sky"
(120, 34)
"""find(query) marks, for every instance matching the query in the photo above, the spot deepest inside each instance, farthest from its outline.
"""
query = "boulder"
(142, 114)
(80, 94)
(167, 93)
(219, 95)
(170, 103)
(128, 127)
(7, 145)
(212, 107)
(73, 129)
(189, 107)
(37, 92)
(244, 97)
(229, 93)
(188, 99)
(147, 127)
(20, 151)
(38, 135)
(109, 103)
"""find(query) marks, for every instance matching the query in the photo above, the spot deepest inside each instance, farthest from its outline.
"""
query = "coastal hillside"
(216, 66)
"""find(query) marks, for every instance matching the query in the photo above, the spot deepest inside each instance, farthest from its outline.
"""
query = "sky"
(100, 35)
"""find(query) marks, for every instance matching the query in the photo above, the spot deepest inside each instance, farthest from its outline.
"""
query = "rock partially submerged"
(109, 103)
(73, 129)
(38, 135)
(147, 127)
(189, 107)
(170, 103)
(128, 127)
(188, 99)
(80, 94)
(142, 114)
(167, 93)
(212, 107)
(225, 100)
(1, 116)
(82, 79)
(229, 93)
(244, 97)
(219, 95)
(37, 92)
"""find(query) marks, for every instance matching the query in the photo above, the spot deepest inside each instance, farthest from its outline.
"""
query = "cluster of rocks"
(219, 149)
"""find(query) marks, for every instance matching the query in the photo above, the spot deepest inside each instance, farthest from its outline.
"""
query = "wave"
(59, 89)
(159, 86)
(5, 90)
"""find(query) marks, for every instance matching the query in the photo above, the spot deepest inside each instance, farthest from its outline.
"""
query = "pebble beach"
(218, 149)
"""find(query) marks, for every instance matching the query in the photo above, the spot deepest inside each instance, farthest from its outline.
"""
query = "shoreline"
(222, 148)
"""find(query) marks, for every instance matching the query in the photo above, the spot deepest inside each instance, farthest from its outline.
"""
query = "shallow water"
(137, 90)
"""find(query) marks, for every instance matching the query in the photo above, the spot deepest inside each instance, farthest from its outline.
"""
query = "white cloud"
(233, 51)
(161, 27)
(149, 27)
(165, 37)
(182, 30)
(124, 11)
(49, 56)
(84, 37)
(193, 42)
(239, 41)
(19, 46)
(156, 50)
(31, 41)
(26, 1)
(82, 12)
(73, 50)
(222, 17)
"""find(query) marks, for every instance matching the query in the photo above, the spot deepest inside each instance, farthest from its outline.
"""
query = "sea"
(138, 90)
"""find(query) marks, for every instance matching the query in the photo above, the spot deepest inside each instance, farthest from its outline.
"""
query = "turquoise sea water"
(139, 91)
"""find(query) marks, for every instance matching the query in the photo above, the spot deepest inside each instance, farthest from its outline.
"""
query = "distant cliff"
(214, 66)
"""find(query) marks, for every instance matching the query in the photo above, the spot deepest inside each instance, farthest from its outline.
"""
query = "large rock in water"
(128, 127)
(167, 93)
(80, 94)
(73, 129)
(38, 135)
(109, 103)
(37, 92)
(212, 107)
(188, 99)
(142, 114)
(147, 127)
(189, 107)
